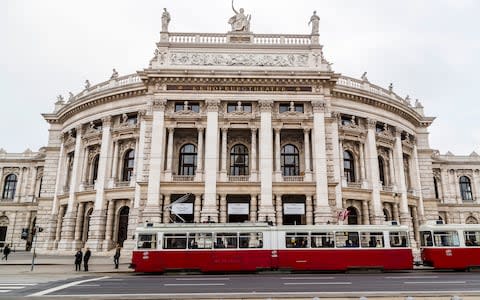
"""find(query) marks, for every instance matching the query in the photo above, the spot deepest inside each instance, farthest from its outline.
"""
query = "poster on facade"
(238, 209)
(182, 208)
(293, 208)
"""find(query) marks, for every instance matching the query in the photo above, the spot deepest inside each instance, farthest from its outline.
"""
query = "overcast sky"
(430, 50)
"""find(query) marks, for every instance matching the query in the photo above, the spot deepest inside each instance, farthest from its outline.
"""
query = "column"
(253, 161)
(108, 243)
(365, 213)
(58, 230)
(395, 211)
(309, 209)
(68, 226)
(223, 208)
(337, 161)
(445, 186)
(391, 169)
(343, 179)
(373, 172)
(199, 171)
(279, 209)
(223, 170)
(166, 211)
(209, 208)
(53, 222)
(418, 184)
(168, 171)
(20, 185)
(266, 209)
(115, 163)
(33, 181)
(322, 210)
(253, 208)
(152, 211)
(197, 208)
(96, 228)
(84, 179)
(476, 186)
(308, 170)
(79, 226)
(278, 165)
(363, 177)
(405, 218)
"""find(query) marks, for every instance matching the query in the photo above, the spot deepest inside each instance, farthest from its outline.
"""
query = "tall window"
(188, 160)
(128, 163)
(290, 161)
(95, 168)
(435, 185)
(10, 186)
(381, 169)
(239, 160)
(465, 188)
(348, 166)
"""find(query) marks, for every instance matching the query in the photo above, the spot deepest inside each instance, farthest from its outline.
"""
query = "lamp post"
(36, 229)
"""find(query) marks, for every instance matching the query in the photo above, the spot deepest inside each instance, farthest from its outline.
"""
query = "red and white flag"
(342, 215)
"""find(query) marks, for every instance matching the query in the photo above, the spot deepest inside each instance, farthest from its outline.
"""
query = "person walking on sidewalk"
(116, 257)
(86, 257)
(6, 252)
(78, 260)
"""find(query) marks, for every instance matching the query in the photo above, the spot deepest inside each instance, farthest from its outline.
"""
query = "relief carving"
(257, 60)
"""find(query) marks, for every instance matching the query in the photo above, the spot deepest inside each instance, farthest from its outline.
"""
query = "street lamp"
(35, 230)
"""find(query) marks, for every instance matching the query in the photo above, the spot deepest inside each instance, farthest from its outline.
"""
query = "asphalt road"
(252, 285)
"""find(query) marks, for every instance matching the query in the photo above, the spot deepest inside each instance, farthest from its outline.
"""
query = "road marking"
(409, 277)
(193, 279)
(307, 278)
(191, 284)
(435, 282)
(1, 284)
(14, 287)
(64, 286)
(82, 285)
(300, 283)
(5, 291)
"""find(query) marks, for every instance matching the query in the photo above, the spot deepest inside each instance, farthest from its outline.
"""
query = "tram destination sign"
(238, 88)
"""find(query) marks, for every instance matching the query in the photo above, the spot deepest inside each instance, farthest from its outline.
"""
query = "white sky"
(429, 49)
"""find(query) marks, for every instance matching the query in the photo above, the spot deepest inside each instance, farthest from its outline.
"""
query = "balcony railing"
(183, 177)
(293, 178)
(122, 183)
(354, 184)
(238, 178)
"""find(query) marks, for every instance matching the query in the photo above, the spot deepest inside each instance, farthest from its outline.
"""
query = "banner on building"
(293, 208)
(182, 208)
(238, 209)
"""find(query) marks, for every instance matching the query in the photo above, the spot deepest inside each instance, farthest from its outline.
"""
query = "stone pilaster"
(253, 161)
(168, 171)
(373, 173)
(223, 168)
(405, 218)
(266, 209)
(253, 208)
(199, 171)
(223, 208)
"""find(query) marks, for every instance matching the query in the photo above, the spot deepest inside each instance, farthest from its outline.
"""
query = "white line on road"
(434, 282)
(410, 277)
(307, 278)
(193, 279)
(15, 287)
(82, 285)
(2, 284)
(5, 291)
(64, 286)
(300, 283)
(191, 284)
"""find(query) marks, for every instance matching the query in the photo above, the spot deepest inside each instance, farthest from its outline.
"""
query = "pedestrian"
(116, 257)
(86, 257)
(78, 260)
(6, 252)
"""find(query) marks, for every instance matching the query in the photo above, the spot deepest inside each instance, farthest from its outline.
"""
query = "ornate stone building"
(241, 127)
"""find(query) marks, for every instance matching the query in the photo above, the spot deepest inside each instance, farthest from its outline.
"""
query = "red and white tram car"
(235, 247)
(450, 246)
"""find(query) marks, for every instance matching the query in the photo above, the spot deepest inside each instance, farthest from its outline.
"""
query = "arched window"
(348, 166)
(10, 186)
(290, 160)
(381, 170)
(239, 160)
(386, 214)
(95, 161)
(465, 188)
(188, 160)
(128, 163)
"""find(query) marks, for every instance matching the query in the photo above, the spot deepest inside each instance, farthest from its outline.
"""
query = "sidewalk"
(20, 262)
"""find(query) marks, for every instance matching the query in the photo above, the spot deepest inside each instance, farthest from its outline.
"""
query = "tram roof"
(443, 227)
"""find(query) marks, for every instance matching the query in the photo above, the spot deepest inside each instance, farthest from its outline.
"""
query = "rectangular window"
(226, 240)
(195, 107)
(472, 238)
(426, 239)
(147, 241)
(231, 107)
(322, 240)
(175, 241)
(200, 241)
(446, 239)
(346, 239)
(178, 106)
(251, 240)
(346, 120)
(372, 240)
(296, 240)
(299, 108)
(245, 107)
(283, 107)
(399, 239)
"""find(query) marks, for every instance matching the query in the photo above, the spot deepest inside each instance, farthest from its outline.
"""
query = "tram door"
(123, 225)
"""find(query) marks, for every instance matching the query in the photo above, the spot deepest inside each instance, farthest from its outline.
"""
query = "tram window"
(225, 240)
(446, 238)
(200, 241)
(322, 240)
(426, 239)
(174, 241)
(251, 240)
(346, 239)
(296, 240)
(372, 240)
(472, 238)
(399, 239)
(147, 241)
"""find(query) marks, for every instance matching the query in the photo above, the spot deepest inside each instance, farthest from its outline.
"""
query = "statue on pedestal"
(165, 20)
(315, 20)
(240, 21)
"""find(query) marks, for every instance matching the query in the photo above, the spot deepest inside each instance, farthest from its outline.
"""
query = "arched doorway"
(352, 216)
(122, 224)
(3, 230)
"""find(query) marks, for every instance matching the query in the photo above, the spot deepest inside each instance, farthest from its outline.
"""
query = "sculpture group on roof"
(240, 21)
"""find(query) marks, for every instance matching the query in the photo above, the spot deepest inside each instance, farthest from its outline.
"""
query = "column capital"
(106, 121)
(371, 123)
(277, 129)
(253, 130)
(158, 102)
(171, 129)
(200, 129)
(336, 115)
(224, 130)
(265, 105)
(306, 129)
(212, 105)
(318, 106)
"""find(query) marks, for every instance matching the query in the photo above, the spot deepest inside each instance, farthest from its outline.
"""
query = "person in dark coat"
(86, 257)
(116, 257)
(78, 260)
(6, 252)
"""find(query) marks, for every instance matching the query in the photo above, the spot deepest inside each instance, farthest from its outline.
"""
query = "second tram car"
(450, 246)
(236, 247)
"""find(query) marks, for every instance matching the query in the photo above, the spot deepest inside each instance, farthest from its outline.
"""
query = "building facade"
(240, 127)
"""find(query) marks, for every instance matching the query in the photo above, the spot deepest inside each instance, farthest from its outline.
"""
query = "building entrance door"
(123, 225)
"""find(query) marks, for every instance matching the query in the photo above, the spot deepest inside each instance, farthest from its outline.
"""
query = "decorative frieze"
(236, 59)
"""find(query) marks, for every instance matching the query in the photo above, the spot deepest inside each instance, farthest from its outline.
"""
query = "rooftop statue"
(315, 20)
(114, 74)
(165, 20)
(240, 21)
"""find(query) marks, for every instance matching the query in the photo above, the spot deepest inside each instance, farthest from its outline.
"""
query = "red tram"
(235, 247)
(450, 246)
